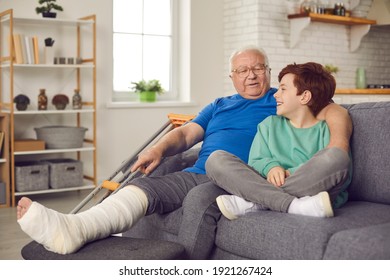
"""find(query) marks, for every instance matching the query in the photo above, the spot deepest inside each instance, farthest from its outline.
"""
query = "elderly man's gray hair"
(248, 48)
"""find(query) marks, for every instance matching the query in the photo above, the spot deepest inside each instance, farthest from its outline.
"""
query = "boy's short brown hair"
(315, 78)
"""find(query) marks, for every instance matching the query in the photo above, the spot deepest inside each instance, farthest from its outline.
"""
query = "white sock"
(318, 205)
(66, 233)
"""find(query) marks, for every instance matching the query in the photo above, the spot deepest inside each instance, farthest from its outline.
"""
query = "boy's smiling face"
(287, 100)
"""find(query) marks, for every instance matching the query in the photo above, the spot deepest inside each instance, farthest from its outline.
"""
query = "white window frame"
(173, 94)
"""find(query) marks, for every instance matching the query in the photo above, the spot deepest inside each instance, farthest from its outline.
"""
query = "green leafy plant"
(331, 68)
(48, 6)
(151, 85)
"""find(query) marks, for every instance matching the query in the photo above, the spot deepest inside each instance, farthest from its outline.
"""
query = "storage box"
(31, 176)
(29, 145)
(65, 173)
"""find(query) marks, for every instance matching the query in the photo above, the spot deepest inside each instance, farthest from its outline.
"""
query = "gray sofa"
(359, 230)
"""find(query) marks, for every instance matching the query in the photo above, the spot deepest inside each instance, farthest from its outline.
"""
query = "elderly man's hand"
(147, 161)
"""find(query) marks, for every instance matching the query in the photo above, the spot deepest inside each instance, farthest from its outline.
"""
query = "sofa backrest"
(370, 146)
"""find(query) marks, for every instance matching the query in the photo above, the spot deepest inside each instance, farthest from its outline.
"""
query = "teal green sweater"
(278, 143)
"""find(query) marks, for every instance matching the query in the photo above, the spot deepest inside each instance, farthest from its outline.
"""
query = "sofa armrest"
(367, 243)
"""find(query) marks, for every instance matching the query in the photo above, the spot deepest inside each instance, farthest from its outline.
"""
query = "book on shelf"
(36, 49)
(26, 49)
(18, 49)
(29, 49)
(2, 134)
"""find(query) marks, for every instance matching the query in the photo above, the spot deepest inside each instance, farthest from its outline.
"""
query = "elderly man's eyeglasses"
(243, 71)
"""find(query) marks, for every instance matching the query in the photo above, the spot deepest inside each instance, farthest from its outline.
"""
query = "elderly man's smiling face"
(250, 74)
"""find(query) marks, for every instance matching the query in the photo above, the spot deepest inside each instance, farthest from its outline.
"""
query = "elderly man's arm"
(178, 140)
(340, 125)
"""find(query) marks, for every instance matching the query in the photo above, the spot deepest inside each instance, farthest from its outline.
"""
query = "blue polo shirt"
(230, 124)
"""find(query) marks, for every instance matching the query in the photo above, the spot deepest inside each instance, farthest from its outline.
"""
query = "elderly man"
(229, 123)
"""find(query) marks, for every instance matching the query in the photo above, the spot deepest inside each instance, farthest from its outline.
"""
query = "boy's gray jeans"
(326, 171)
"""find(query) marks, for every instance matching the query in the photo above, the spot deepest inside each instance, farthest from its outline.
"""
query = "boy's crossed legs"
(304, 192)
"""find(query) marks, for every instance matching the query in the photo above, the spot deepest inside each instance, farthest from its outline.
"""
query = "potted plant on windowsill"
(46, 10)
(148, 90)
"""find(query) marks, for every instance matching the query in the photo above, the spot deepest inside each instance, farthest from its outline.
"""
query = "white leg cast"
(66, 233)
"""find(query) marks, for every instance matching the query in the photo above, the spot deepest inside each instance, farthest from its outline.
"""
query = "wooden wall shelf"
(359, 26)
(363, 91)
(334, 19)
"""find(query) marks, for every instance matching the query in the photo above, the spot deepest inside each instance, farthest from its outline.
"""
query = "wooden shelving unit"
(5, 162)
(359, 26)
(10, 75)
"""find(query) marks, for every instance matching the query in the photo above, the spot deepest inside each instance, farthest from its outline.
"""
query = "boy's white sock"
(66, 233)
(316, 206)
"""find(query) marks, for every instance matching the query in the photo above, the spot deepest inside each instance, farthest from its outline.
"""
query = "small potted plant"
(148, 90)
(46, 9)
(331, 68)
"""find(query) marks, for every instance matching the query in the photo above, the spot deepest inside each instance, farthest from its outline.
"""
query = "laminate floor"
(12, 238)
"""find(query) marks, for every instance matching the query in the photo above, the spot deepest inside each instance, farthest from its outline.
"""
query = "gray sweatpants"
(196, 194)
(325, 171)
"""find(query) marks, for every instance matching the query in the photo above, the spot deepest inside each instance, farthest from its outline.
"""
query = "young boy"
(284, 172)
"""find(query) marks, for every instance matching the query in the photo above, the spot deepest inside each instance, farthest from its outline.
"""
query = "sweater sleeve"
(260, 156)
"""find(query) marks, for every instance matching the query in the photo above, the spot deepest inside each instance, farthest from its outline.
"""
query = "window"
(143, 43)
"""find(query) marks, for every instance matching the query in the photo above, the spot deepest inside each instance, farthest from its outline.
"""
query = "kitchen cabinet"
(359, 27)
(81, 76)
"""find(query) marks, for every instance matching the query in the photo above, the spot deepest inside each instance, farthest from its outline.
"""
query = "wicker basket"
(61, 137)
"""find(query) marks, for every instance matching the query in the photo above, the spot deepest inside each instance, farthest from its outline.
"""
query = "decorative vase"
(76, 100)
(21, 101)
(49, 55)
(361, 78)
(60, 101)
(147, 96)
(42, 100)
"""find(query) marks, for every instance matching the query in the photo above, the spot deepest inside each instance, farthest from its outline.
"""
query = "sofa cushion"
(370, 146)
(367, 243)
(274, 235)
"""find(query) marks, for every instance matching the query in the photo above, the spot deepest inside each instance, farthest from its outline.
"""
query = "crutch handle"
(179, 119)
(110, 185)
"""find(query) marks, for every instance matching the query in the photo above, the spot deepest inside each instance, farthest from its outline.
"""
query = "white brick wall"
(264, 23)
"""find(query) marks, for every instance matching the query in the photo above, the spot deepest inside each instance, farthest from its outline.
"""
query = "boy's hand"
(276, 176)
